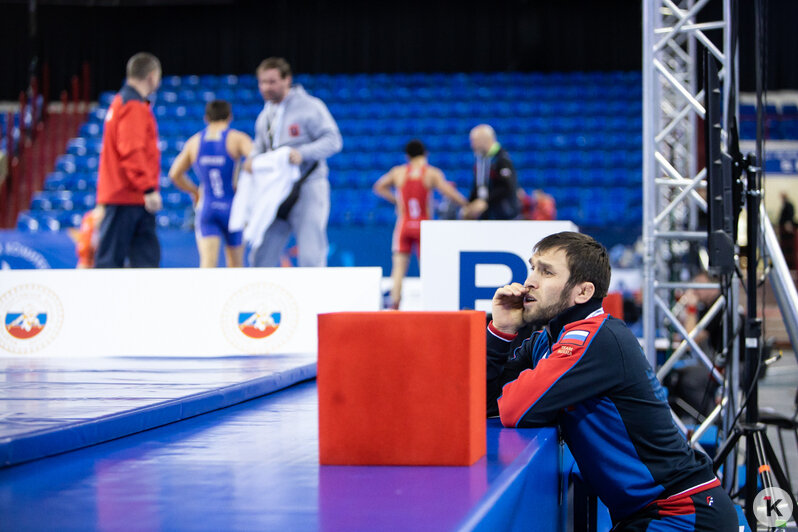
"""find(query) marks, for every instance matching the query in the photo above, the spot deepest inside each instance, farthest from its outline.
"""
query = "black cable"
(761, 163)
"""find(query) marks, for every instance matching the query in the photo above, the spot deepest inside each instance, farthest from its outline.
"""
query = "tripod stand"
(767, 465)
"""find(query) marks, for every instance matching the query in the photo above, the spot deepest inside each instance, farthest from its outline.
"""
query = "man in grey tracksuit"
(292, 117)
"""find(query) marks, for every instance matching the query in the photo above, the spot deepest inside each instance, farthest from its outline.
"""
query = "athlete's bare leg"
(208, 247)
(398, 272)
(234, 256)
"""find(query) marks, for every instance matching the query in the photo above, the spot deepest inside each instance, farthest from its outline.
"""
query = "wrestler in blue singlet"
(214, 167)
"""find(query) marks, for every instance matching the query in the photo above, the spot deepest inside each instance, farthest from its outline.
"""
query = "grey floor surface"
(777, 390)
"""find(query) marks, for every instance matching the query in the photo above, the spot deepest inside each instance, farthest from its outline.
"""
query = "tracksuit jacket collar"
(128, 93)
(572, 314)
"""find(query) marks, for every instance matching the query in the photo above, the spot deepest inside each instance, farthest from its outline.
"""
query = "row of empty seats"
(473, 109)
(359, 170)
(57, 210)
(775, 129)
(546, 178)
(581, 141)
(496, 86)
(780, 121)
(83, 152)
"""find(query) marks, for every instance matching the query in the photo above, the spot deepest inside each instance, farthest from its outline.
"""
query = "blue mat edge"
(492, 511)
(40, 444)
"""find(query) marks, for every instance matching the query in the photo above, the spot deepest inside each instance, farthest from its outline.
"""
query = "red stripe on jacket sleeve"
(521, 394)
(496, 332)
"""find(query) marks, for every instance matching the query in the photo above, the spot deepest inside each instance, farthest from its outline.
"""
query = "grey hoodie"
(308, 126)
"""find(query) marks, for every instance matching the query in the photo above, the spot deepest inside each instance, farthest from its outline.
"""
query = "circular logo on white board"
(259, 318)
(32, 316)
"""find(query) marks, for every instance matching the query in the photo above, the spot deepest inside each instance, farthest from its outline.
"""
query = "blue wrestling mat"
(255, 466)
(51, 406)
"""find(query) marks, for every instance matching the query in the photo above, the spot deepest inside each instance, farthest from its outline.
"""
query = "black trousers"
(127, 232)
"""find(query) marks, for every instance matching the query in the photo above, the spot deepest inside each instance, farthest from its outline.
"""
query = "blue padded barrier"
(505, 506)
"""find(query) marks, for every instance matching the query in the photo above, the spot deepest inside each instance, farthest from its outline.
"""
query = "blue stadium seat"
(66, 164)
(773, 129)
(27, 223)
(57, 181)
(166, 162)
(568, 213)
(176, 200)
(47, 222)
(77, 146)
(90, 129)
(789, 128)
(206, 95)
(69, 219)
(86, 163)
(226, 93)
(747, 111)
(168, 96)
(747, 129)
(171, 82)
(106, 98)
(41, 201)
(187, 95)
(247, 96)
(82, 181)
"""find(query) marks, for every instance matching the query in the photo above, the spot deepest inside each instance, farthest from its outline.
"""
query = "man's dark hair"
(140, 65)
(217, 110)
(279, 63)
(415, 148)
(587, 259)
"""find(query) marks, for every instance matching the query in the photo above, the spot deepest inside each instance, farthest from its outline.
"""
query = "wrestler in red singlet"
(409, 187)
(414, 199)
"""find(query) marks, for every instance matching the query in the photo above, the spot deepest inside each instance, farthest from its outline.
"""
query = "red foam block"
(613, 304)
(401, 388)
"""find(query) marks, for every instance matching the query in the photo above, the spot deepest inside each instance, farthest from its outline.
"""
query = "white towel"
(259, 194)
(241, 208)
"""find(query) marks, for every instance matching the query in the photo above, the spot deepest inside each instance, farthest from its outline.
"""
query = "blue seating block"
(571, 132)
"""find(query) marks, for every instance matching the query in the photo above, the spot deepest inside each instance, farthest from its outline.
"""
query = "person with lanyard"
(408, 186)
(291, 117)
(214, 154)
(584, 371)
(494, 191)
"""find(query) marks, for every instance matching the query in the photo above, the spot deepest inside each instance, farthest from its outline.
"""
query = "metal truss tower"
(674, 183)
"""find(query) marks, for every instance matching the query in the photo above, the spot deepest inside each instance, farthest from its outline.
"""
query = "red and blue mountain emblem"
(258, 324)
(24, 325)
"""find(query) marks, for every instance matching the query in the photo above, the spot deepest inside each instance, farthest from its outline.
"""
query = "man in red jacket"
(130, 163)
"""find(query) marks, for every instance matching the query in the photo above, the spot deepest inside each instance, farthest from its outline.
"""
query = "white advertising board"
(463, 262)
(175, 312)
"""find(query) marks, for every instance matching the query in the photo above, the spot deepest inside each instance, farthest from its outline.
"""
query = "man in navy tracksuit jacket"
(585, 371)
